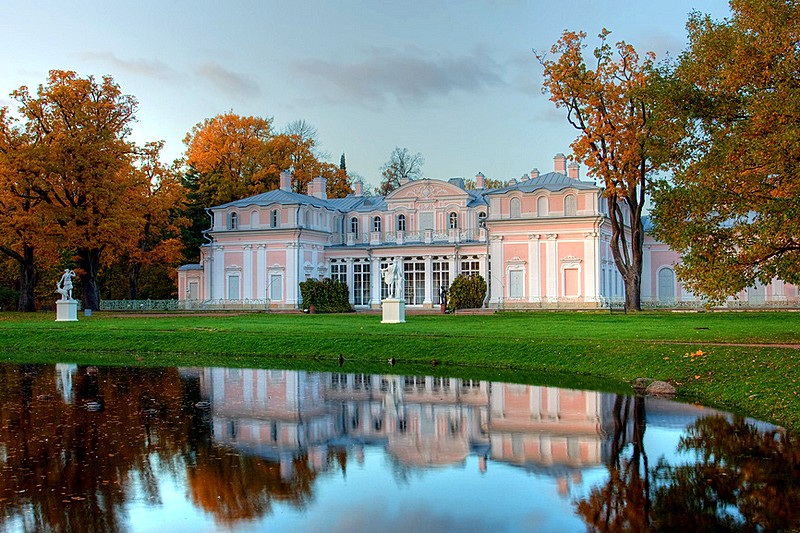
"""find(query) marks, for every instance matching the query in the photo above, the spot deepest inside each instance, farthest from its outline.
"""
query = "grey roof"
(190, 267)
(552, 181)
(361, 204)
(276, 196)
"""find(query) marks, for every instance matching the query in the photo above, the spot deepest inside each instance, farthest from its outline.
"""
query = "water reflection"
(102, 449)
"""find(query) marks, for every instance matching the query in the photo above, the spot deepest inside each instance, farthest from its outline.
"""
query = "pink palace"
(541, 242)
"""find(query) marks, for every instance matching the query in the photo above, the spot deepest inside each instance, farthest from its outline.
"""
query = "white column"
(218, 285)
(261, 272)
(534, 269)
(551, 258)
(590, 267)
(315, 261)
(428, 301)
(350, 279)
(375, 280)
(453, 266)
(247, 272)
(292, 296)
(498, 276)
(647, 273)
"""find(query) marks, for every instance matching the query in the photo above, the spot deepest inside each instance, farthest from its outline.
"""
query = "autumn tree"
(608, 105)
(81, 174)
(401, 165)
(231, 156)
(732, 206)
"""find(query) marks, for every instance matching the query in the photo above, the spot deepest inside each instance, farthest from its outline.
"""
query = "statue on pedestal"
(64, 285)
(393, 277)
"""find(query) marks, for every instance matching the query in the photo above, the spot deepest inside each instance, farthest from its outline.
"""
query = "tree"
(80, 172)
(731, 208)
(231, 155)
(343, 163)
(611, 110)
(401, 165)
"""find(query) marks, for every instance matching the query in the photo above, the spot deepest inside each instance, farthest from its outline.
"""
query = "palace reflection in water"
(136, 449)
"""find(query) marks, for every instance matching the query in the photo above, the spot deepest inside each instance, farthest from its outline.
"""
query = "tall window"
(414, 274)
(453, 220)
(515, 283)
(570, 206)
(384, 286)
(515, 208)
(376, 224)
(233, 286)
(541, 206)
(481, 218)
(339, 272)
(401, 222)
(666, 284)
(361, 283)
(233, 221)
(441, 278)
(276, 287)
(354, 225)
(273, 221)
(470, 266)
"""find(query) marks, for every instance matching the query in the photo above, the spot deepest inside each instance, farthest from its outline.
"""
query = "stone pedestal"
(67, 311)
(394, 311)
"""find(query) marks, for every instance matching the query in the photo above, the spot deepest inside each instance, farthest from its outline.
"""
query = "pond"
(86, 448)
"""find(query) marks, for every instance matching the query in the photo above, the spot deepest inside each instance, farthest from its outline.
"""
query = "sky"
(456, 81)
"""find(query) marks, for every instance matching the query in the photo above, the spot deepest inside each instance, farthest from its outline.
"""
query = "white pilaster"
(591, 266)
(350, 279)
(292, 289)
(261, 272)
(218, 284)
(428, 301)
(497, 281)
(534, 269)
(375, 280)
(551, 259)
(247, 272)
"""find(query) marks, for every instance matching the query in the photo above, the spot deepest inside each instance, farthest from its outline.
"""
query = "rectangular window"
(276, 287)
(233, 286)
(515, 283)
(384, 286)
(361, 283)
(414, 276)
(470, 267)
(441, 278)
(194, 290)
(339, 272)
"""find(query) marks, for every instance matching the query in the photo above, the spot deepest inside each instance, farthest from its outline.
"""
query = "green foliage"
(466, 292)
(328, 295)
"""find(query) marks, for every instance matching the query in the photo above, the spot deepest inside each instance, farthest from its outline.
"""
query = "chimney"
(286, 181)
(573, 171)
(404, 180)
(525, 177)
(512, 181)
(358, 188)
(560, 163)
(317, 188)
(534, 173)
(479, 180)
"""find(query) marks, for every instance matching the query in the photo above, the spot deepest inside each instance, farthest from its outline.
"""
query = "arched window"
(481, 219)
(541, 206)
(273, 222)
(453, 220)
(515, 207)
(354, 225)
(233, 221)
(376, 224)
(570, 205)
(401, 222)
(666, 284)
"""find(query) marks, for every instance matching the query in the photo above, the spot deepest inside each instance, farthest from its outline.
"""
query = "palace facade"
(542, 241)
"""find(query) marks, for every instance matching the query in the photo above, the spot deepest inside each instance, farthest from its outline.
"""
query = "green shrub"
(328, 296)
(466, 292)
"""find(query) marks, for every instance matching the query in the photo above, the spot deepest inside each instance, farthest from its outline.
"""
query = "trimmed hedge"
(328, 296)
(466, 292)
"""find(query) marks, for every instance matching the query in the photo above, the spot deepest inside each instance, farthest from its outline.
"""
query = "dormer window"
(354, 225)
(233, 220)
(515, 207)
(453, 220)
(401, 222)
(570, 206)
(376, 224)
(541, 206)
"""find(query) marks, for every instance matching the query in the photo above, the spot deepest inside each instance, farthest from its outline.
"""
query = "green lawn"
(595, 350)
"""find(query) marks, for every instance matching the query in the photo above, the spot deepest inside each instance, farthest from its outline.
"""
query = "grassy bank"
(565, 349)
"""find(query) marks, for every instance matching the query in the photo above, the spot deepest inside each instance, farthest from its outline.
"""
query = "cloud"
(408, 76)
(227, 81)
(142, 67)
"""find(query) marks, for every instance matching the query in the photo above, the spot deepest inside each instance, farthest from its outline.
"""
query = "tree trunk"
(633, 289)
(133, 281)
(89, 261)
(27, 281)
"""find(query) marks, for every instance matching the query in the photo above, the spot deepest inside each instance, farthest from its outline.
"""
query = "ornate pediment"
(426, 189)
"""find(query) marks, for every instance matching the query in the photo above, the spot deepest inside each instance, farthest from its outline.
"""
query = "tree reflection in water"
(738, 478)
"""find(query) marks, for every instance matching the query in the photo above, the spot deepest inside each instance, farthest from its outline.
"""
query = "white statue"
(64, 286)
(393, 277)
